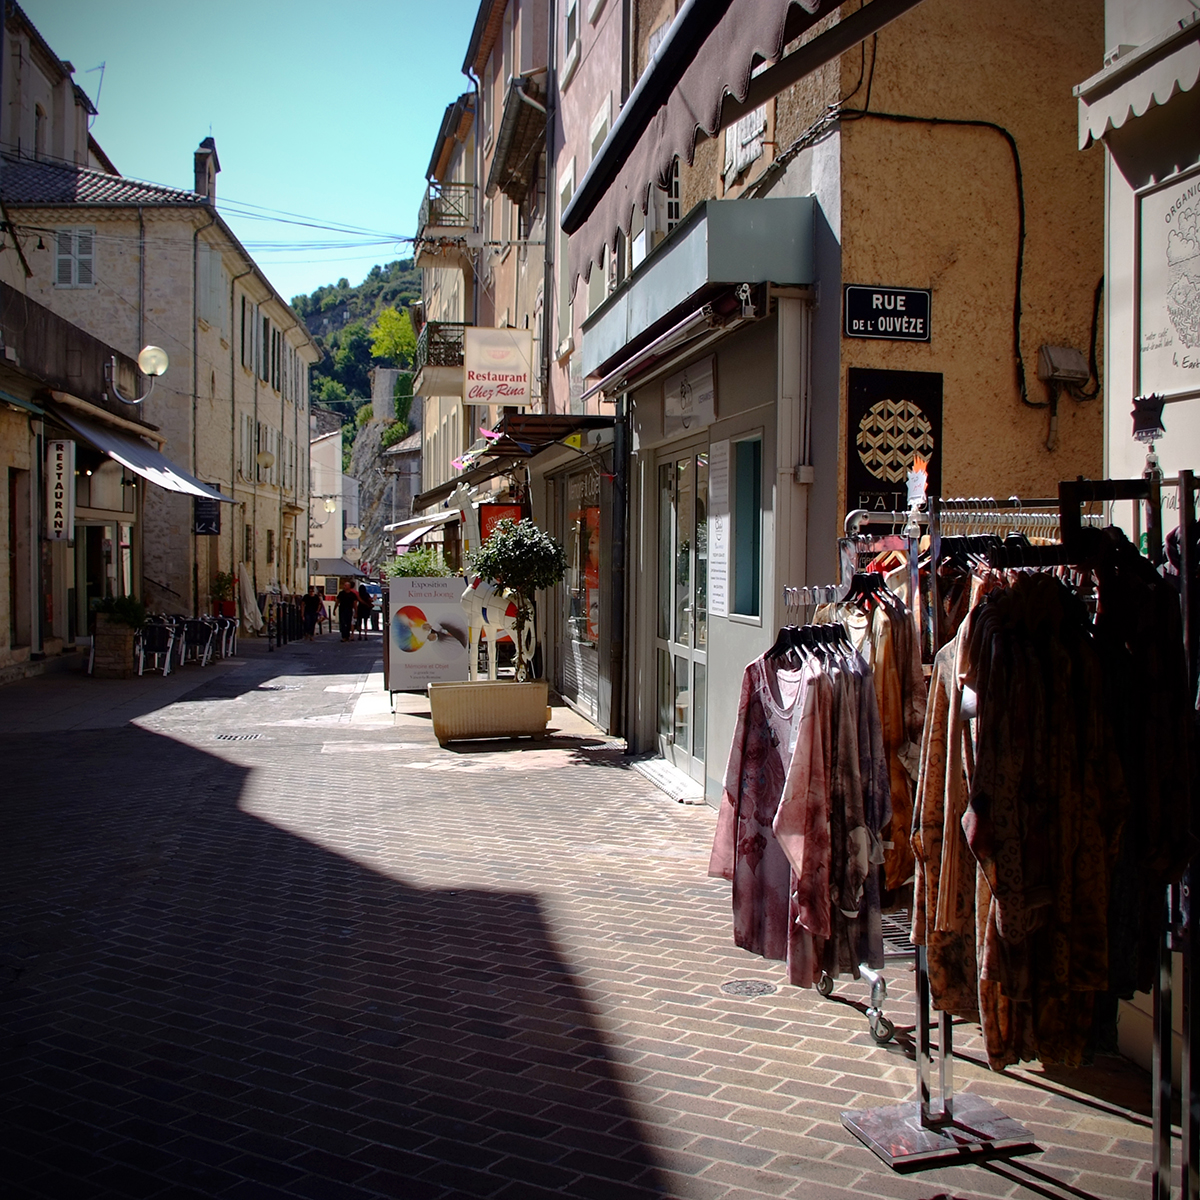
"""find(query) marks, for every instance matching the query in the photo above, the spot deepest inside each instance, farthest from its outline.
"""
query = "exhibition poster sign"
(427, 633)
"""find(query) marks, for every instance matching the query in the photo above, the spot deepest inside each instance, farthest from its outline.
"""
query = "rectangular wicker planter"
(488, 708)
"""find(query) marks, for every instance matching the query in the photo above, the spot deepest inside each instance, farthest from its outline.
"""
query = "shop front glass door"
(682, 641)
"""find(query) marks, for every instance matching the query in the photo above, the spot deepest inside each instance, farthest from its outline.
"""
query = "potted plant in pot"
(118, 618)
(223, 585)
(515, 562)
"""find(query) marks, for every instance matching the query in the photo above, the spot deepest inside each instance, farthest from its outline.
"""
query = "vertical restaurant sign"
(892, 417)
(1168, 275)
(689, 398)
(498, 366)
(427, 633)
(718, 529)
(60, 490)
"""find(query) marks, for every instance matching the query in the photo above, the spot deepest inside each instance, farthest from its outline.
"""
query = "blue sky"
(324, 110)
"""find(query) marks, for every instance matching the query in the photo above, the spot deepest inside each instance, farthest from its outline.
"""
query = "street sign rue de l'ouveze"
(895, 314)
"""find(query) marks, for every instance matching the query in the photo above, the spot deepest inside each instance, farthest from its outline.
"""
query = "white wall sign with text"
(60, 490)
(689, 398)
(718, 529)
(1168, 277)
(498, 366)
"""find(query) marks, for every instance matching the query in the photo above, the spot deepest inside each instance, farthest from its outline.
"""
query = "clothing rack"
(942, 1129)
(850, 548)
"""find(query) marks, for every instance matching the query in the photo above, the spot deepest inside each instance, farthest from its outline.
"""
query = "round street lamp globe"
(265, 459)
(153, 360)
(330, 504)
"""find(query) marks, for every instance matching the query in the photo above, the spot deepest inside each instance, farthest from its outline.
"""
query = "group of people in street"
(355, 608)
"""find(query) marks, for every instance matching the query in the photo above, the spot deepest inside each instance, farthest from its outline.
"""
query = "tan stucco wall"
(936, 207)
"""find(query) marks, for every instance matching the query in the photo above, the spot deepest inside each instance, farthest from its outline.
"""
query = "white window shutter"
(64, 274)
(83, 256)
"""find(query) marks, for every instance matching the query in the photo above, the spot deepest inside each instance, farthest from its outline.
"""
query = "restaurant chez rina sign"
(497, 366)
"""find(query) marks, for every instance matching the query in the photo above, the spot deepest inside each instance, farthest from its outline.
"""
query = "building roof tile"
(27, 182)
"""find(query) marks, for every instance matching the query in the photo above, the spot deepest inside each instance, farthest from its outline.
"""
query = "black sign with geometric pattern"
(893, 416)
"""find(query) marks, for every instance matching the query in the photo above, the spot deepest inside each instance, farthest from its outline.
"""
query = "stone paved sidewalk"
(263, 938)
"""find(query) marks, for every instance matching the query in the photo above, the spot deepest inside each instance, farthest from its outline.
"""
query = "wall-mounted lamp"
(330, 504)
(1148, 428)
(153, 362)
(265, 459)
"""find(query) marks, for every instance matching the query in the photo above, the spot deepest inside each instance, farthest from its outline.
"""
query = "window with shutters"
(264, 355)
(270, 545)
(248, 450)
(73, 261)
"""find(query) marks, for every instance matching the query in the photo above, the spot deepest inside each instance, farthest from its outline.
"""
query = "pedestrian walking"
(366, 606)
(311, 608)
(347, 606)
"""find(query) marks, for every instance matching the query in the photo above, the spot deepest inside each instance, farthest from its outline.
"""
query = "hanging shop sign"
(206, 515)
(1168, 277)
(60, 490)
(498, 366)
(427, 633)
(891, 314)
(894, 416)
(690, 398)
(490, 515)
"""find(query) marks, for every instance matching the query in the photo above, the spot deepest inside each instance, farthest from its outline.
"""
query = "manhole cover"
(748, 987)
(237, 737)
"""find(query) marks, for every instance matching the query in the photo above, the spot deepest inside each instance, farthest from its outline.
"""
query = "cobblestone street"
(260, 939)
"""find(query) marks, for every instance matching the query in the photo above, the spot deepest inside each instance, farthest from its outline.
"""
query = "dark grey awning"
(333, 566)
(700, 81)
(1139, 81)
(139, 457)
(521, 135)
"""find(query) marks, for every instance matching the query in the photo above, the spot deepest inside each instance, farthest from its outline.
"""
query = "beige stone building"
(137, 264)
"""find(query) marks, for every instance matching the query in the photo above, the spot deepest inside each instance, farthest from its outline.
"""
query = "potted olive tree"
(504, 574)
(222, 590)
(118, 618)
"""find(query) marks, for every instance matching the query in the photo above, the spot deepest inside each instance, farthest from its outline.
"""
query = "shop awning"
(333, 566)
(522, 435)
(522, 130)
(700, 81)
(415, 535)
(471, 478)
(139, 457)
(1140, 80)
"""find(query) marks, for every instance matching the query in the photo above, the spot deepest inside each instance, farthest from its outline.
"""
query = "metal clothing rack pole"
(940, 1130)
(1189, 1167)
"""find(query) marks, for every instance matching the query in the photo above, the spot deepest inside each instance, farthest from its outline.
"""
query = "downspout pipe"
(212, 220)
(233, 421)
(549, 239)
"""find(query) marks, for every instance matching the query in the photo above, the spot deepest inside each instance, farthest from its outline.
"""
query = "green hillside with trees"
(358, 328)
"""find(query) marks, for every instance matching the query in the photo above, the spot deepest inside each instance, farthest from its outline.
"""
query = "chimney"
(207, 167)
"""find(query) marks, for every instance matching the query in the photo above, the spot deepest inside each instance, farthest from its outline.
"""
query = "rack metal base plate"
(978, 1130)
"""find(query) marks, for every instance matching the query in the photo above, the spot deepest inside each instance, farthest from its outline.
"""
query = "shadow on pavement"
(195, 999)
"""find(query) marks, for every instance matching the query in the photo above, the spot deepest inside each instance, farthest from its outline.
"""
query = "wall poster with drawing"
(1168, 284)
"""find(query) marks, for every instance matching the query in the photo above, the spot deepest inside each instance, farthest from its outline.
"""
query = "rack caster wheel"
(825, 985)
(882, 1031)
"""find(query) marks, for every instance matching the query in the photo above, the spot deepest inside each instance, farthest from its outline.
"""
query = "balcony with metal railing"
(445, 223)
(439, 360)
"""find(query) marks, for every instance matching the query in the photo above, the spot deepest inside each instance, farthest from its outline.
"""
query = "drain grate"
(238, 737)
(748, 987)
(896, 942)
